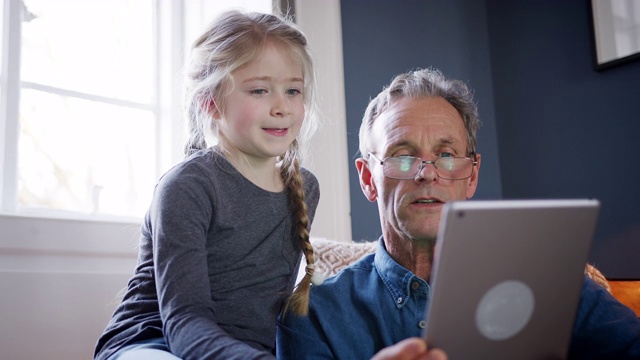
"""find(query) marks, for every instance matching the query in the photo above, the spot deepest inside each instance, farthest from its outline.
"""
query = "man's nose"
(427, 172)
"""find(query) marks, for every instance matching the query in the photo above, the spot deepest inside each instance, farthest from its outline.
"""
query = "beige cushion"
(331, 256)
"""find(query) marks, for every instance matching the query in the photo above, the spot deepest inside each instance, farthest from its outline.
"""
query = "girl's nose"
(281, 106)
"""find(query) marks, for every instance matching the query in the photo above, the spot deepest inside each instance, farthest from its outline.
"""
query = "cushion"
(331, 255)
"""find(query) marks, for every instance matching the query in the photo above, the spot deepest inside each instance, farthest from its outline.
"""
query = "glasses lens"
(454, 168)
(402, 167)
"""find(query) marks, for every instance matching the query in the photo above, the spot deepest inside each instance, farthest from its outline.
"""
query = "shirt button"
(422, 324)
(399, 300)
(415, 285)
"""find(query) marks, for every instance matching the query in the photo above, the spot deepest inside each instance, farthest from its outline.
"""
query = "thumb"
(404, 350)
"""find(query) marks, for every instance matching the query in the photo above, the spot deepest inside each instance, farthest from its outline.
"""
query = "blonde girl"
(221, 242)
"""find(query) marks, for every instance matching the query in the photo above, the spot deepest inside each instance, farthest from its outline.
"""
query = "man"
(418, 146)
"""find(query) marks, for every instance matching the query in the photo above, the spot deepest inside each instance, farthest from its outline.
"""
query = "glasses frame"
(423, 163)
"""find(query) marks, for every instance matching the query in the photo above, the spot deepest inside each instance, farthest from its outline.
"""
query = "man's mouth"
(427, 201)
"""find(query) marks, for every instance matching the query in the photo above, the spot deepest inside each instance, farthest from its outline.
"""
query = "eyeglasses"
(447, 168)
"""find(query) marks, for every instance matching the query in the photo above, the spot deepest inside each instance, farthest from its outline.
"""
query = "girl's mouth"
(276, 131)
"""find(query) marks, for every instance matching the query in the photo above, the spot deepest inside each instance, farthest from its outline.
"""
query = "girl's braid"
(298, 302)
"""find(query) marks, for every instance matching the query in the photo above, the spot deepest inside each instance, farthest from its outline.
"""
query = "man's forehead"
(425, 107)
(409, 112)
(415, 120)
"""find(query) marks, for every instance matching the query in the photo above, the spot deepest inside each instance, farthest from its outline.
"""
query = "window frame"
(44, 232)
(9, 100)
(168, 22)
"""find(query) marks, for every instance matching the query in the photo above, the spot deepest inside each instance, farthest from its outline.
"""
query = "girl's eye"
(294, 92)
(258, 91)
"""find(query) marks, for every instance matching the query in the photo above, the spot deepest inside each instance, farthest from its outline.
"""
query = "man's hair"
(423, 83)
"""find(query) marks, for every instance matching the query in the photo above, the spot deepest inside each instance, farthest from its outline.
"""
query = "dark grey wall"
(564, 129)
(553, 127)
(384, 38)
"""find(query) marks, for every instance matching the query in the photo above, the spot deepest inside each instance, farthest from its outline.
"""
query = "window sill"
(45, 232)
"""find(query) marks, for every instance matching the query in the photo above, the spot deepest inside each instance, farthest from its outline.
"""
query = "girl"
(222, 239)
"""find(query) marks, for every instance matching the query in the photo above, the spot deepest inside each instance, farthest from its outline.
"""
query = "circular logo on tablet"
(504, 310)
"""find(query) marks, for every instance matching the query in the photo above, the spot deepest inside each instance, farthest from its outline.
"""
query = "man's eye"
(446, 154)
(405, 164)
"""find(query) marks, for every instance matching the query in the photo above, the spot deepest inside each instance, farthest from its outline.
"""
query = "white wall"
(59, 283)
(60, 278)
(320, 21)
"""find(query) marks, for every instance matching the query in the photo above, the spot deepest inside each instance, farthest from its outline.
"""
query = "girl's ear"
(211, 108)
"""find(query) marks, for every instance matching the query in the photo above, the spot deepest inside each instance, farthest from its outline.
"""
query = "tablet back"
(507, 277)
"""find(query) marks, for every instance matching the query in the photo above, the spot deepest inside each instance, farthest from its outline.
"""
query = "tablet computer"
(507, 277)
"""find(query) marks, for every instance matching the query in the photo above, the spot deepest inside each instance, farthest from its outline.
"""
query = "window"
(91, 99)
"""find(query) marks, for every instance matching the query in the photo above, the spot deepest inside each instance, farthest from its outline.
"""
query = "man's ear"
(366, 180)
(473, 180)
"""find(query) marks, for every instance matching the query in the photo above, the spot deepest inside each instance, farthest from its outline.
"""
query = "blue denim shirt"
(375, 303)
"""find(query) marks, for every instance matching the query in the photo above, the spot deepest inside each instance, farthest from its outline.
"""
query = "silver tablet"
(507, 277)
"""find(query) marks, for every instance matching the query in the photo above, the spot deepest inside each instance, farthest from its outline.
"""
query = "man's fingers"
(407, 349)
(436, 354)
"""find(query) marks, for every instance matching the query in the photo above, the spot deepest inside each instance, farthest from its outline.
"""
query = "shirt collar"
(396, 278)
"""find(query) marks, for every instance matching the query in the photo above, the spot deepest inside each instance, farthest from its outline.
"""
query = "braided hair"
(298, 302)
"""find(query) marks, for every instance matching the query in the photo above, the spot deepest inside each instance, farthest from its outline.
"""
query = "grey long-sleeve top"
(217, 259)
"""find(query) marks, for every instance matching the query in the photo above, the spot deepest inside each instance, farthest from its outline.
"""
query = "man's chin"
(426, 234)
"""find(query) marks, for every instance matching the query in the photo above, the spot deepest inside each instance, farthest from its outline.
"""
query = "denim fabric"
(367, 306)
(604, 328)
(376, 302)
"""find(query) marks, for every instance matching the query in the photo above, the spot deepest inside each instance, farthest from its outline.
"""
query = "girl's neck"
(263, 172)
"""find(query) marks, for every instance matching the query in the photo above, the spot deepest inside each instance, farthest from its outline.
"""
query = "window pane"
(85, 156)
(100, 47)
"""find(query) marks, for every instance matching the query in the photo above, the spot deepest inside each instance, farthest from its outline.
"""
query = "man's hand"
(410, 349)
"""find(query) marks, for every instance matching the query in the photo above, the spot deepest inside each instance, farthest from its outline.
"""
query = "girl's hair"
(234, 39)
(423, 83)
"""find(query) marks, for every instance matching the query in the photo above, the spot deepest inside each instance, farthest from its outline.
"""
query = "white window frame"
(9, 101)
(169, 45)
(114, 240)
